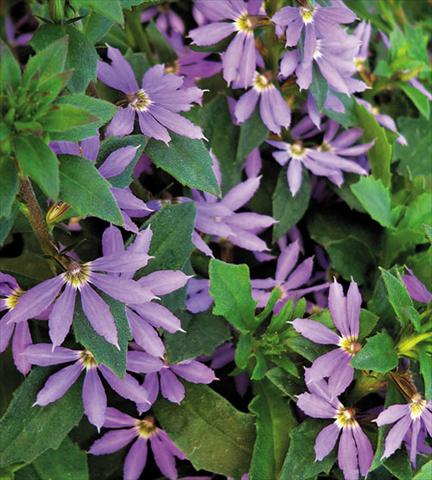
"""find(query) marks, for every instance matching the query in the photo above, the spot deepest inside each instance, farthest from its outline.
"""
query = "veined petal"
(338, 308)
(315, 406)
(94, 398)
(117, 161)
(58, 384)
(116, 419)
(126, 387)
(112, 241)
(142, 362)
(113, 441)
(144, 334)
(194, 372)
(364, 449)
(122, 123)
(315, 331)
(158, 316)
(119, 262)
(172, 389)
(61, 316)
(392, 414)
(123, 290)
(325, 441)
(287, 260)
(164, 281)
(135, 460)
(212, 33)
(347, 455)
(396, 435)
(164, 458)
(241, 194)
(353, 303)
(43, 354)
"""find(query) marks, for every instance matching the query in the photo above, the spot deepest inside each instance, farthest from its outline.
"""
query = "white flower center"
(417, 406)
(145, 427)
(307, 14)
(262, 83)
(140, 101)
(244, 23)
(345, 417)
(297, 150)
(350, 345)
(77, 274)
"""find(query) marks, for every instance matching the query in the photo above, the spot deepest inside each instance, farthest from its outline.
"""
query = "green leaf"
(82, 187)
(260, 367)
(253, 132)
(10, 71)
(425, 472)
(165, 51)
(6, 223)
(213, 435)
(274, 422)
(300, 461)
(289, 210)
(103, 351)
(204, 332)
(48, 62)
(375, 199)
(425, 361)
(381, 153)
(38, 162)
(416, 156)
(420, 101)
(243, 350)
(101, 109)
(67, 462)
(111, 9)
(378, 354)
(28, 431)
(171, 243)
(286, 383)
(223, 136)
(81, 56)
(305, 347)
(399, 465)
(8, 185)
(231, 289)
(400, 300)
(187, 160)
(110, 145)
(62, 118)
(96, 26)
(368, 321)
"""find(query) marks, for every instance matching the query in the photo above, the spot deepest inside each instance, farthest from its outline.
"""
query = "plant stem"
(37, 220)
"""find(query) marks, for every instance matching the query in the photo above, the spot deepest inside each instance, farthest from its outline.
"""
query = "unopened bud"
(56, 211)
(56, 10)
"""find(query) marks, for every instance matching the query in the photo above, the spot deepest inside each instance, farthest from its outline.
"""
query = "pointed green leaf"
(82, 187)
(63, 117)
(420, 101)
(231, 289)
(378, 354)
(187, 160)
(10, 71)
(38, 162)
(111, 9)
(8, 185)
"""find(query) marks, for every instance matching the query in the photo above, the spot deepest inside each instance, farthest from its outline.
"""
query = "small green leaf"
(399, 465)
(381, 153)
(28, 431)
(400, 300)
(101, 109)
(6, 223)
(289, 210)
(425, 472)
(420, 101)
(243, 350)
(285, 382)
(253, 132)
(82, 187)
(67, 462)
(231, 289)
(63, 117)
(110, 145)
(261, 366)
(204, 332)
(319, 88)
(8, 185)
(375, 199)
(111, 9)
(38, 162)
(274, 422)
(187, 160)
(378, 354)
(10, 71)
(48, 62)
(204, 414)
(300, 461)
(81, 56)
(171, 244)
(103, 351)
(425, 361)
(368, 321)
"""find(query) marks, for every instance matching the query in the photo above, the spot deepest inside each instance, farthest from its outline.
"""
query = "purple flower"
(327, 160)
(61, 292)
(114, 165)
(355, 452)
(416, 289)
(363, 33)
(240, 59)
(335, 365)
(410, 419)
(198, 295)
(167, 20)
(274, 110)
(14, 39)
(156, 103)
(93, 393)
(161, 375)
(288, 278)
(316, 21)
(126, 429)
(145, 317)
(10, 293)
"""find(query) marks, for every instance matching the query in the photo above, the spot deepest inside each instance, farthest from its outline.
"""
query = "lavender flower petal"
(325, 441)
(58, 384)
(94, 398)
(61, 316)
(135, 460)
(172, 389)
(43, 354)
(315, 331)
(112, 441)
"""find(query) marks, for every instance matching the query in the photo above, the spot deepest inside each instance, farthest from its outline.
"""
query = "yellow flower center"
(417, 405)
(297, 150)
(56, 211)
(325, 147)
(350, 345)
(345, 417)
(307, 14)
(140, 100)
(172, 67)
(146, 427)
(77, 274)
(244, 23)
(12, 300)
(375, 111)
(88, 360)
(359, 64)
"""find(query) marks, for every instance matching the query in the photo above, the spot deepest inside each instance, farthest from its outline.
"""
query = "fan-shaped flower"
(416, 289)
(156, 103)
(123, 430)
(93, 393)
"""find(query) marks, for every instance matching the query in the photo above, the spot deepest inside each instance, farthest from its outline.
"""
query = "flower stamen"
(146, 427)
(12, 299)
(345, 417)
(77, 274)
(140, 101)
(417, 405)
(350, 345)
(88, 359)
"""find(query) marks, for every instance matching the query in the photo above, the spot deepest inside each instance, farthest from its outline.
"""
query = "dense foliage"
(215, 233)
